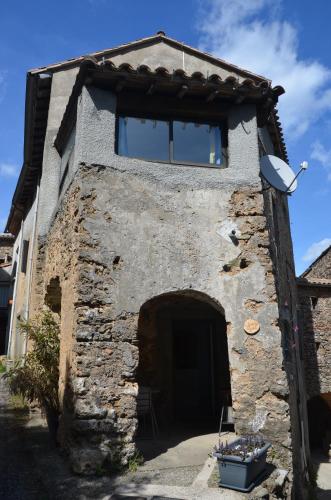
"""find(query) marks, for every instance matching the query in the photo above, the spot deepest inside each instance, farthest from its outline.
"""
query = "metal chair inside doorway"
(146, 411)
(226, 412)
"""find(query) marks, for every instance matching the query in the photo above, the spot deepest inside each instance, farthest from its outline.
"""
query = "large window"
(171, 141)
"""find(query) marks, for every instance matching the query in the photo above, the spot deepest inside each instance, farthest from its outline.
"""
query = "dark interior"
(184, 360)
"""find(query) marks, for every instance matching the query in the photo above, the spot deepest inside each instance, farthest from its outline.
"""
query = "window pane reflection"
(197, 143)
(143, 138)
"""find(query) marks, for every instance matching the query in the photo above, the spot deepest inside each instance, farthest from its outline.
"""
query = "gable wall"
(162, 54)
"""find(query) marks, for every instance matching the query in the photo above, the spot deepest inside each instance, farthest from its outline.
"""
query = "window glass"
(143, 138)
(197, 143)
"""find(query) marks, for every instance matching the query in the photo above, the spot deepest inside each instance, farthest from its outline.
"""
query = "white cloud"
(316, 249)
(322, 155)
(252, 34)
(8, 170)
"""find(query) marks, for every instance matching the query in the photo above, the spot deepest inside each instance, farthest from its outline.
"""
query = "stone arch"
(183, 356)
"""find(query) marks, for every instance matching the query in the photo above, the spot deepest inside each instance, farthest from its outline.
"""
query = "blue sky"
(288, 41)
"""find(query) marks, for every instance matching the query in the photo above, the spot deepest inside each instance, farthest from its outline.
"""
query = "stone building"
(314, 291)
(152, 234)
(6, 250)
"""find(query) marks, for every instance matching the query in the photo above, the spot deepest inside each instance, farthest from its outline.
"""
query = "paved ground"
(323, 467)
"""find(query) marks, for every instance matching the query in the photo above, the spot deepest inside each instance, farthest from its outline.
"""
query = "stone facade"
(6, 248)
(314, 288)
(6, 256)
(125, 233)
(118, 236)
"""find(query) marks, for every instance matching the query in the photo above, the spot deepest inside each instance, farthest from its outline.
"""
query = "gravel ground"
(32, 469)
(20, 479)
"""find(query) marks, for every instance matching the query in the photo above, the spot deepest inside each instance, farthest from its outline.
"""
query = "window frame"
(221, 124)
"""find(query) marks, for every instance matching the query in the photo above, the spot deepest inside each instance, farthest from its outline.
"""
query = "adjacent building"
(314, 290)
(6, 256)
(141, 219)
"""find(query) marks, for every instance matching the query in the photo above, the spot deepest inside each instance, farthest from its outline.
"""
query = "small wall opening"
(183, 360)
(53, 295)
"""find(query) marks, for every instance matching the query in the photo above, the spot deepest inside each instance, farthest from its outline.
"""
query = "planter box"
(241, 475)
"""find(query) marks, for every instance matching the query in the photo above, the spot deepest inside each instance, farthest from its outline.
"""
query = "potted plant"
(242, 464)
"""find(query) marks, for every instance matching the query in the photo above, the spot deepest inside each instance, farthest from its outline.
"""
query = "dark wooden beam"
(158, 105)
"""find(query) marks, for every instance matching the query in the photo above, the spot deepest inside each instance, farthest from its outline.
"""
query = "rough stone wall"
(111, 245)
(315, 305)
(56, 262)
(129, 231)
(126, 257)
(321, 268)
(6, 248)
(283, 269)
(276, 209)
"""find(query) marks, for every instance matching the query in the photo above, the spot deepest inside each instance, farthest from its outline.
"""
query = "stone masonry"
(114, 233)
(314, 288)
(119, 221)
(6, 248)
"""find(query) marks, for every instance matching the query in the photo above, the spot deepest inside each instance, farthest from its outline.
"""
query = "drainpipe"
(13, 308)
(30, 266)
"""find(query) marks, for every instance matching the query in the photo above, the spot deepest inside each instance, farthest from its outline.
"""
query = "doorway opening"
(319, 422)
(183, 361)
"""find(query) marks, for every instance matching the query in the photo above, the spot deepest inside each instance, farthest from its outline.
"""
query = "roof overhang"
(38, 88)
(313, 282)
(97, 70)
(176, 84)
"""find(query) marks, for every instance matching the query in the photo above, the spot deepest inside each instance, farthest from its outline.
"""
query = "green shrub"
(17, 402)
(135, 462)
(35, 377)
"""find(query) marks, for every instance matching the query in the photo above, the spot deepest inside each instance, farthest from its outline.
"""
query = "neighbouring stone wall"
(321, 269)
(6, 248)
(315, 303)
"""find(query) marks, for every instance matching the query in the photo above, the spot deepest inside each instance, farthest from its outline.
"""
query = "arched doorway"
(183, 359)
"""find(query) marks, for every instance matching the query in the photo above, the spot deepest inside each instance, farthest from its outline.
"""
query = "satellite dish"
(278, 174)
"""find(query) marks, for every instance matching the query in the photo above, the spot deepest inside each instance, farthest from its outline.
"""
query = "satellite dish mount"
(279, 174)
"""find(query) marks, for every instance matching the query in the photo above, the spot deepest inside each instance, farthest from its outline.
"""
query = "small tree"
(36, 375)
